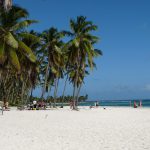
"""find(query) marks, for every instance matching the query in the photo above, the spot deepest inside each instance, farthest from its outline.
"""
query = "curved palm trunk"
(55, 90)
(79, 89)
(31, 94)
(64, 90)
(22, 94)
(49, 93)
(44, 87)
(75, 85)
(78, 93)
(74, 99)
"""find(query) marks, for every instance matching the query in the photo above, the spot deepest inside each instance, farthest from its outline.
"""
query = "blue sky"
(124, 28)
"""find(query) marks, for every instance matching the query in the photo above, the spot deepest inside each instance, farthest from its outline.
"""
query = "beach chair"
(1, 106)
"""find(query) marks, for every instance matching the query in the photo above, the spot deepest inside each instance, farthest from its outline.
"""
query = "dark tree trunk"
(31, 95)
(78, 93)
(74, 99)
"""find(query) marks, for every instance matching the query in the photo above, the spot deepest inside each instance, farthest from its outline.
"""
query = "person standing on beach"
(96, 104)
(140, 103)
(34, 104)
(135, 105)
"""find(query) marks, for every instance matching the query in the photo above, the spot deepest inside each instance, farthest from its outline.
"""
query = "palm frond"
(23, 24)
(76, 42)
(27, 51)
(30, 37)
(67, 33)
(2, 52)
(11, 41)
(14, 59)
(98, 52)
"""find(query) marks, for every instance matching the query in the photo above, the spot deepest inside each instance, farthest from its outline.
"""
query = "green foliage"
(10, 40)
(27, 51)
(2, 52)
(14, 59)
(30, 59)
(67, 99)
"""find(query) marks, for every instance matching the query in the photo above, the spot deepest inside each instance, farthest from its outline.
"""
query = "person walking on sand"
(135, 105)
(140, 103)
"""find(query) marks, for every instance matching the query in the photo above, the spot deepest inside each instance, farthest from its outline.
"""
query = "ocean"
(127, 103)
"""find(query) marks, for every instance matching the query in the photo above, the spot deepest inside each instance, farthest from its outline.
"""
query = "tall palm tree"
(31, 70)
(52, 49)
(13, 50)
(81, 49)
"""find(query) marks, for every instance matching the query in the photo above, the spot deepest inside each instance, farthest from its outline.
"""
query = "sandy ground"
(64, 129)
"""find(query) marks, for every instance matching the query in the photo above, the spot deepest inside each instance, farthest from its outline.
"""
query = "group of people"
(96, 104)
(137, 105)
(37, 105)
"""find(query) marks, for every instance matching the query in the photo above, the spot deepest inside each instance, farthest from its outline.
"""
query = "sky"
(123, 72)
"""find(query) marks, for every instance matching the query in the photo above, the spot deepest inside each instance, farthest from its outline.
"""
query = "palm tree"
(81, 50)
(13, 51)
(11, 25)
(31, 70)
(52, 49)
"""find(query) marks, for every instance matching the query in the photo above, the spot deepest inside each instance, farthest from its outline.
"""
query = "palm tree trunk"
(5, 88)
(22, 94)
(78, 92)
(75, 86)
(79, 89)
(74, 100)
(55, 90)
(64, 90)
(31, 94)
(49, 92)
(44, 87)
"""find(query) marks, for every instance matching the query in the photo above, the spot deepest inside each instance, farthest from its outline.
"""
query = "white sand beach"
(64, 129)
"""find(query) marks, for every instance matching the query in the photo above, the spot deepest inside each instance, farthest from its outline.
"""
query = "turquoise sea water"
(145, 103)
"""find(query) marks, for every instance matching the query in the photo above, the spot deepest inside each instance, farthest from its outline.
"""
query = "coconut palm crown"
(12, 48)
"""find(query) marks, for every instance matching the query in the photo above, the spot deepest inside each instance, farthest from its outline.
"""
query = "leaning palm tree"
(52, 49)
(30, 70)
(81, 49)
